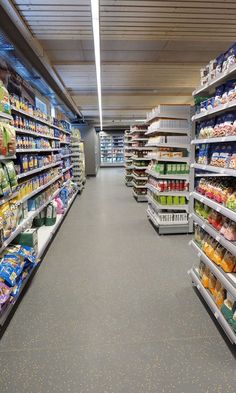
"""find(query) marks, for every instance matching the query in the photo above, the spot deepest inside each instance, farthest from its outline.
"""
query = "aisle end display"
(169, 174)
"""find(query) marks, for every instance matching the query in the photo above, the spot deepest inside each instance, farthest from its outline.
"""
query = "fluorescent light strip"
(96, 39)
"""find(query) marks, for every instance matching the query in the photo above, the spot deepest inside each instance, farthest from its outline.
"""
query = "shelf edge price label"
(217, 238)
(216, 315)
(199, 255)
(218, 209)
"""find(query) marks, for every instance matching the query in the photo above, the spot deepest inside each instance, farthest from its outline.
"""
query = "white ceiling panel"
(151, 51)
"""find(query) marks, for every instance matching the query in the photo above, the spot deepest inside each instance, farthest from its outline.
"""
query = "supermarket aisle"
(111, 309)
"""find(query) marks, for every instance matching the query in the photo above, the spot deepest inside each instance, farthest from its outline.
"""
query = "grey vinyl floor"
(112, 310)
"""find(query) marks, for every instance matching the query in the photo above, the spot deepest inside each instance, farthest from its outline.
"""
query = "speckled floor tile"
(112, 310)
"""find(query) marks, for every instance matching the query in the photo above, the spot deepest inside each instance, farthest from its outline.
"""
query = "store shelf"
(141, 131)
(39, 189)
(25, 174)
(212, 305)
(44, 238)
(37, 150)
(8, 198)
(64, 143)
(168, 131)
(230, 246)
(170, 159)
(129, 166)
(67, 168)
(140, 167)
(229, 74)
(167, 176)
(5, 116)
(170, 193)
(34, 133)
(159, 206)
(140, 148)
(210, 168)
(140, 198)
(214, 140)
(169, 144)
(66, 156)
(215, 205)
(45, 234)
(167, 229)
(141, 158)
(25, 223)
(4, 158)
(215, 111)
(39, 120)
(227, 279)
(139, 177)
(138, 185)
(139, 139)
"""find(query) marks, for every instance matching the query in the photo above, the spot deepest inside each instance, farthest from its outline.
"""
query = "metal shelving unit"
(168, 208)
(127, 158)
(139, 160)
(111, 149)
(45, 233)
(227, 280)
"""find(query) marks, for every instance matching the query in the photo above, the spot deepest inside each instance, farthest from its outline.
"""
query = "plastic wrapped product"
(218, 95)
(212, 284)
(4, 295)
(228, 262)
(51, 214)
(231, 56)
(10, 269)
(231, 202)
(218, 254)
(5, 106)
(10, 169)
(9, 139)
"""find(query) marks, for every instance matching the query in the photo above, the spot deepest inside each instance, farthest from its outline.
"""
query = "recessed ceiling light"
(96, 39)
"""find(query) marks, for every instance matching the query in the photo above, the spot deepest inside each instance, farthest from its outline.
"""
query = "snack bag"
(5, 106)
(4, 294)
(228, 262)
(4, 182)
(205, 277)
(5, 213)
(218, 254)
(212, 284)
(9, 139)
(11, 173)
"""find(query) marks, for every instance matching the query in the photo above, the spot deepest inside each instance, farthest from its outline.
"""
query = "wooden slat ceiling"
(148, 47)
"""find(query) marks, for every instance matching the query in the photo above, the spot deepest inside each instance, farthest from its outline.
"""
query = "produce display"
(218, 66)
(221, 190)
